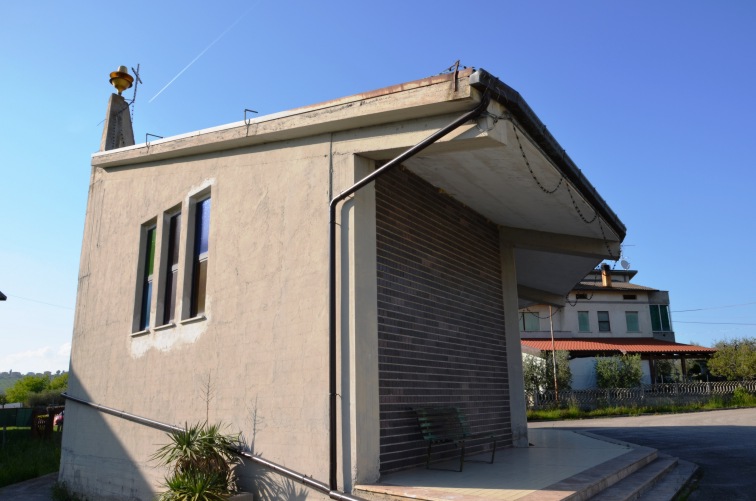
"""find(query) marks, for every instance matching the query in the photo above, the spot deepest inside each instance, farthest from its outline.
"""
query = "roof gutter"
(527, 119)
(470, 115)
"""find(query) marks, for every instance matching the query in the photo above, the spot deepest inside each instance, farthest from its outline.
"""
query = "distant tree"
(59, 382)
(3, 399)
(27, 385)
(539, 372)
(735, 359)
(563, 371)
(619, 371)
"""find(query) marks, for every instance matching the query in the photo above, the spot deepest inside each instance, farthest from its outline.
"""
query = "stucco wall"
(262, 346)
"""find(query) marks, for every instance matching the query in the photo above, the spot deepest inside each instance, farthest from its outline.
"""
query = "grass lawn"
(24, 457)
(740, 399)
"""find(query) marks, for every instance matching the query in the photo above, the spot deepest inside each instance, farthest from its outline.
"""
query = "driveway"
(722, 443)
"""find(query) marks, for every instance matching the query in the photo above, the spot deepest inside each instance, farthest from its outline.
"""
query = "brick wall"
(440, 315)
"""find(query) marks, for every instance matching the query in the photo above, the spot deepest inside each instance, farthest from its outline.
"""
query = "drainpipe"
(470, 115)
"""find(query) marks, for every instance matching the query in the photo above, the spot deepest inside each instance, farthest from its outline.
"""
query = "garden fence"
(647, 394)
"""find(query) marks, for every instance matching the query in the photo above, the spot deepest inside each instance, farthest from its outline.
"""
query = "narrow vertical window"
(603, 321)
(171, 277)
(199, 271)
(584, 324)
(148, 253)
(632, 321)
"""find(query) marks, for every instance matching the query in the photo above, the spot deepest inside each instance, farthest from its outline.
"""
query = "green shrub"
(743, 398)
(618, 371)
(201, 461)
(44, 398)
(538, 372)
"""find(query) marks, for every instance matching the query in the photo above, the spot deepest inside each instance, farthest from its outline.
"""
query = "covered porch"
(559, 464)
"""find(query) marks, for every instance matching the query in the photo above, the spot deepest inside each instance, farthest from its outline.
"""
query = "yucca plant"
(201, 463)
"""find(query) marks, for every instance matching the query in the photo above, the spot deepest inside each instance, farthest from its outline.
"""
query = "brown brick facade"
(440, 315)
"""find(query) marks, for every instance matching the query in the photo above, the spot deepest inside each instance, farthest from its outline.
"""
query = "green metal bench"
(448, 425)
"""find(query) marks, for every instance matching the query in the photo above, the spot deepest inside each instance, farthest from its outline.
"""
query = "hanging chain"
(527, 163)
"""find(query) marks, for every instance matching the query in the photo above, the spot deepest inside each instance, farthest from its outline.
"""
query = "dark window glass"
(149, 265)
(171, 278)
(603, 321)
(199, 272)
(629, 296)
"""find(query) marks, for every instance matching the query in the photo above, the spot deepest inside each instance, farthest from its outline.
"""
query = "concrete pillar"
(360, 406)
(118, 131)
(517, 407)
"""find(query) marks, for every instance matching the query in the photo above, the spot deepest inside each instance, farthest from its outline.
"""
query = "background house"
(606, 314)
(204, 279)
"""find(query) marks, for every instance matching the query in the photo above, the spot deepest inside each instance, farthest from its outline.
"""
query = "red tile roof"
(622, 345)
(617, 286)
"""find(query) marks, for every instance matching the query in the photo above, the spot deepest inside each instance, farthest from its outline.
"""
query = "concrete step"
(590, 483)
(640, 482)
(673, 482)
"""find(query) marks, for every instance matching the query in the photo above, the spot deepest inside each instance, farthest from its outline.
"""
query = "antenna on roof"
(624, 261)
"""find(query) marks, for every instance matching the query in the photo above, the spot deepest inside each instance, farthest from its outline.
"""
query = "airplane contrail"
(200, 54)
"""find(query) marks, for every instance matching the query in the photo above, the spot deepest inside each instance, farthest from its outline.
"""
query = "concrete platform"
(560, 465)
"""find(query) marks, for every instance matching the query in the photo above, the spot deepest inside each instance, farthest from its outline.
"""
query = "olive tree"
(619, 371)
(735, 359)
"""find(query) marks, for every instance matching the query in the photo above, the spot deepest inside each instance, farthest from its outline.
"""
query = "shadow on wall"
(95, 460)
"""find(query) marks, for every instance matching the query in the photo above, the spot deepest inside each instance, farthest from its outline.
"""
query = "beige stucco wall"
(263, 344)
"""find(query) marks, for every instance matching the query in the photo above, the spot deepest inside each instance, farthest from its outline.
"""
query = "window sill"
(199, 318)
(140, 333)
(163, 327)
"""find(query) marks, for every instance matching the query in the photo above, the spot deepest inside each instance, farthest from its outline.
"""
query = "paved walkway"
(36, 489)
(722, 443)
(517, 473)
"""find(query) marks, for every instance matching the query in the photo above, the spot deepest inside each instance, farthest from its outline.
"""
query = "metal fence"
(647, 394)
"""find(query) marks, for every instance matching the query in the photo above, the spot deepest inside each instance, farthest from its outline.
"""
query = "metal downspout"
(472, 114)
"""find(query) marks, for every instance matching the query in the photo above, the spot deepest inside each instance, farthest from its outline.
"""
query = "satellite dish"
(625, 264)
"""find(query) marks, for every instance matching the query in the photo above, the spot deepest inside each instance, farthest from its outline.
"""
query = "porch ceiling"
(496, 182)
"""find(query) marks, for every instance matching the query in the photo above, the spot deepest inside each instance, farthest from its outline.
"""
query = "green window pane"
(655, 318)
(150, 251)
(632, 321)
(664, 314)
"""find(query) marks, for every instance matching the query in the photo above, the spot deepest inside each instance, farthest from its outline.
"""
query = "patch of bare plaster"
(166, 339)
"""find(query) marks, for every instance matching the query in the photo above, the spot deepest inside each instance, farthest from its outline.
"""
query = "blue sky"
(654, 101)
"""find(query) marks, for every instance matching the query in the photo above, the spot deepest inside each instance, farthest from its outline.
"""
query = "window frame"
(604, 325)
(170, 271)
(194, 289)
(628, 316)
(658, 320)
(524, 324)
(584, 320)
(145, 277)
